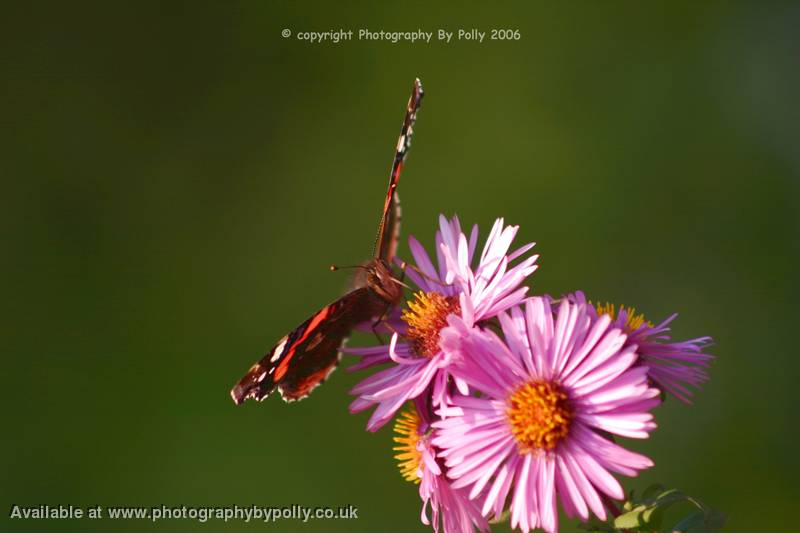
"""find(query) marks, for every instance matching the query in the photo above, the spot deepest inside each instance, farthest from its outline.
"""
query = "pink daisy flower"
(674, 366)
(451, 509)
(549, 394)
(474, 289)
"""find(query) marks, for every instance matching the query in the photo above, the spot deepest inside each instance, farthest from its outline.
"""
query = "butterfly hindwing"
(303, 359)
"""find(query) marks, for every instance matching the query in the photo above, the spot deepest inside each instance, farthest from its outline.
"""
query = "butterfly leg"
(375, 328)
(377, 323)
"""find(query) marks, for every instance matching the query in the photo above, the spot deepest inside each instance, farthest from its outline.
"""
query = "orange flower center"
(633, 320)
(540, 415)
(426, 315)
(409, 458)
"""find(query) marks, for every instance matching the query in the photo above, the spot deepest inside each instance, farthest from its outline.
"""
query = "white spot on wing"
(278, 351)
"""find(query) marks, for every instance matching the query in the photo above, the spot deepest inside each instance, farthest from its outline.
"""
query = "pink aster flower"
(674, 366)
(474, 288)
(550, 392)
(451, 509)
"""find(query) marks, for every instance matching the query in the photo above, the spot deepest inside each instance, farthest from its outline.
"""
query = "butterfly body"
(302, 360)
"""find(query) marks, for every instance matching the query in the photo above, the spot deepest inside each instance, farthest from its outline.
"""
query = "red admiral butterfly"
(305, 357)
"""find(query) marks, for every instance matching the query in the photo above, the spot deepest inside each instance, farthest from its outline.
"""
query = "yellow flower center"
(409, 457)
(633, 321)
(540, 415)
(426, 315)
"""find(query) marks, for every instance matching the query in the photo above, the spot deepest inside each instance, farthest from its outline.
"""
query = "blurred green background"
(177, 177)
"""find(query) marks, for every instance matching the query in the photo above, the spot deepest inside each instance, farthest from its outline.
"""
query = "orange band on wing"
(283, 367)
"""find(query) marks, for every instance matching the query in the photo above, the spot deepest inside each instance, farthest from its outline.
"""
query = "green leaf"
(631, 519)
(669, 496)
(595, 525)
(702, 521)
(653, 517)
(646, 514)
(651, 492)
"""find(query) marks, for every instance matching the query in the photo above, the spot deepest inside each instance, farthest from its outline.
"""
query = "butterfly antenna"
(404, 266)
(334, 268)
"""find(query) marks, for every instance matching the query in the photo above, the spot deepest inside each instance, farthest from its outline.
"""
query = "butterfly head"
(382, 281)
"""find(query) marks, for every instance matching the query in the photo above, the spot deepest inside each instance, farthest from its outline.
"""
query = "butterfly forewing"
(304, 358)
(389, 229)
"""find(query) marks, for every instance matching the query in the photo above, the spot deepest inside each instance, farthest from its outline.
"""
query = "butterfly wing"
(305, 357)
(389, 229)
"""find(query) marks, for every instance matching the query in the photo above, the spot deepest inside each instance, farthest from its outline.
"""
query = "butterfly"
(304, 358)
